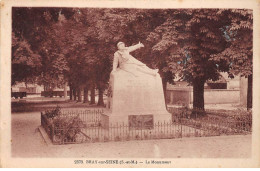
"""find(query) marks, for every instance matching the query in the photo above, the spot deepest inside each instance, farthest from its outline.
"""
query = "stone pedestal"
(129, 95)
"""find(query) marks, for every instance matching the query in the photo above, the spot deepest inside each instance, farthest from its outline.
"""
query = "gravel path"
(27, 142)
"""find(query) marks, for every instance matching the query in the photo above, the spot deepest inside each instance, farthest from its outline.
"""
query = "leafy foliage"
(51, 114)
(239, 35)
(76, 45)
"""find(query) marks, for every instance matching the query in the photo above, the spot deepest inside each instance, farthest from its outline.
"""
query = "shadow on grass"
(20, 107)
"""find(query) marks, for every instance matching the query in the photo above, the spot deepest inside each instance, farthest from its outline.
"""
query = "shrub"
(117, 138)
(128, 138)
(146, 136)
(95, 139)
(50, 114)
(106, 139)
(69, 128)
(137, 137)
(66, 128)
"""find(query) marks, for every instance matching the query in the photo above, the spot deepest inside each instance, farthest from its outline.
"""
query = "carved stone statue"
(128, 63)
(135, 90)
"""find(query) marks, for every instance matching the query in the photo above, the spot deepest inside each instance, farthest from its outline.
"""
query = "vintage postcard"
(162, 84)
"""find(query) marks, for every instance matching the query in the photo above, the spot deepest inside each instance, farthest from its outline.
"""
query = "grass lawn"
(42, 104)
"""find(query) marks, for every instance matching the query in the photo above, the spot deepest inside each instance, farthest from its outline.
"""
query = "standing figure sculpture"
(128, 63)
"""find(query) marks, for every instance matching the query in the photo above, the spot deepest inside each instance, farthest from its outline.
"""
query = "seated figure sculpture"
(134, 88)
(128, 63)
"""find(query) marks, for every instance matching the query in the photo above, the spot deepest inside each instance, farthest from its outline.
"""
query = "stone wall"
(211, 96)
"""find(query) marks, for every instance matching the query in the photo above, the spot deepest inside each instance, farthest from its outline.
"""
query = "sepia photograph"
(128, 85)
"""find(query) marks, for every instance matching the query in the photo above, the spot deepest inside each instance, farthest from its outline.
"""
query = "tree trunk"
(100, 97)
(198, 97)
(79, 95)
(65, 90)
(85, 95)
(249, 91)
(71, 93)
(92, 100)
(164, 83)
(74, 94)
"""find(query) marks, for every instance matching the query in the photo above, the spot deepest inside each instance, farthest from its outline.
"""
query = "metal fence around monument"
(83, 127)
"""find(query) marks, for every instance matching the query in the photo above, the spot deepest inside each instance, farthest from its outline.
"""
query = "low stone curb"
(45, 136)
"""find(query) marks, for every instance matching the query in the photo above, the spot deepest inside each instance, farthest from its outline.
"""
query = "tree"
(32, 25)
(76, 45)
(195, 40)
(25, 62)
(239, 52)
(129, 26)
(187, 39)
